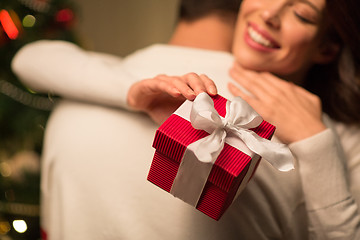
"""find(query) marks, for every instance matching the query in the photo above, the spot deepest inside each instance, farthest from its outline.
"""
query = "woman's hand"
(294, 111)
(160, 96)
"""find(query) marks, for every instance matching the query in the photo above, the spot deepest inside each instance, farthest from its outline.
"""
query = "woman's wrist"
(306, 133)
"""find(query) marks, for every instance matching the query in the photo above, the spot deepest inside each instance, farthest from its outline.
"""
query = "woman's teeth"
(255, 36)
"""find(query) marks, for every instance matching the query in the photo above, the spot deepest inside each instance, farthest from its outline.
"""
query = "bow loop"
(240, 117)
(241, 114)
(203, 115)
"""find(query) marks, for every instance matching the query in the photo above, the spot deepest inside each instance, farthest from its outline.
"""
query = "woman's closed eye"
(305, 13)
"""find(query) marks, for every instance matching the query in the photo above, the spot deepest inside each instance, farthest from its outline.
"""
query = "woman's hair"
(192, 9)
(338, 83)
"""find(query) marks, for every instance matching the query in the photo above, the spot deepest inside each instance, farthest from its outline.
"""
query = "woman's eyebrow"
(311, 5)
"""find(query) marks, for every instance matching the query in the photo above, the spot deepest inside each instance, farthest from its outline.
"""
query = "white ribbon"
(234, 128)
(240, 117)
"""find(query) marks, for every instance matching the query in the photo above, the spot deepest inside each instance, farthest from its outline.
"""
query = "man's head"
(207, 24)
(190, 10)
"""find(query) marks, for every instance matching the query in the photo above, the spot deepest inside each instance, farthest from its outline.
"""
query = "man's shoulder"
(166, 50)
(176, 60)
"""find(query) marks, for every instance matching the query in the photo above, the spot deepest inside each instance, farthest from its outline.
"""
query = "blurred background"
(112, 26)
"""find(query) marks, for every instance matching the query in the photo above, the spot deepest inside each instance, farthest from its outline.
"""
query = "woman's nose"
(271, 14)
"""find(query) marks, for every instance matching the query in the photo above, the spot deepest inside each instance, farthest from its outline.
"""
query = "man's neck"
(212, 32)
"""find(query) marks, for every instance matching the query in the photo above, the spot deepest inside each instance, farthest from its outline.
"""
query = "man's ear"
(326, 53)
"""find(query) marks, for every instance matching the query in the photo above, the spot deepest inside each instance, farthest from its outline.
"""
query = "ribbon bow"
(240, 117)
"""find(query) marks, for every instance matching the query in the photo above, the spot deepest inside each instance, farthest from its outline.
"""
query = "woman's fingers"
(261, 84)
(189, 85)
(250, 99)
(236, 91)
(161, 95)
(194, 81)
(200, 83)
(253, 82)
(175, 86)
(209, 84)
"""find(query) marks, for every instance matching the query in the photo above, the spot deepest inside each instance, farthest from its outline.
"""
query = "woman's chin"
(252, 66)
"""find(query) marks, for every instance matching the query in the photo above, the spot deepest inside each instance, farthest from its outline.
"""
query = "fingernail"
(176, 91)
(212, 90)
(191, 94)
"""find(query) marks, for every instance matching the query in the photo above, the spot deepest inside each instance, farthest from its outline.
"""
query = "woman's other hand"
(294, 111)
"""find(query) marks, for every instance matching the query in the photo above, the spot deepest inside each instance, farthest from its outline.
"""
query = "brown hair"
(193, 9)
(338, 83)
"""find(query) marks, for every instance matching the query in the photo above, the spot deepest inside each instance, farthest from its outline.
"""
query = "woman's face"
(278, 36)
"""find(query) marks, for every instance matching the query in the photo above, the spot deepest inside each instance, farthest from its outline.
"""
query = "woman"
(296, 60)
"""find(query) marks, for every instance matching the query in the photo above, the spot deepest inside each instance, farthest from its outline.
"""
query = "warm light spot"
(5, 169)
(64, 15)
(4, 227)
(29, 21)
(8, 25)
(20, 226)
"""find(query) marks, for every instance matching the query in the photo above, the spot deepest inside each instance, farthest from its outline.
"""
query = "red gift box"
(229, 174)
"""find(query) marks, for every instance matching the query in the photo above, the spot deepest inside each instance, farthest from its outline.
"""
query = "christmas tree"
(23, 113)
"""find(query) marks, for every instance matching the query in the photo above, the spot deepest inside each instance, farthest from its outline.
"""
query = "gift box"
(210, 186)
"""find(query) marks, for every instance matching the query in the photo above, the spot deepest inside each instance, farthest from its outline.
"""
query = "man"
(96, 158)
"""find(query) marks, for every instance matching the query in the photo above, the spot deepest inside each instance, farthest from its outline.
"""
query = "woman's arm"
(64, 69)
(332, 209)
(327, 168)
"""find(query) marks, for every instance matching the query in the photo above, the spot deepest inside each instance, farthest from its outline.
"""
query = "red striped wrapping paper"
(227, 174)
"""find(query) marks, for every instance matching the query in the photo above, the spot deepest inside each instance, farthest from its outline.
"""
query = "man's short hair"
(193, 9)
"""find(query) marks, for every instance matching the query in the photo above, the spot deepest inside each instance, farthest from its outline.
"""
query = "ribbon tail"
(195, 167)
(277, 154)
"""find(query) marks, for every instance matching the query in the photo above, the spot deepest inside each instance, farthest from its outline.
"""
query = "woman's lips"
(259, 38)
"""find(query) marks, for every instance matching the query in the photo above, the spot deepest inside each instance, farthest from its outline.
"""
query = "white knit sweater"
(96, 157)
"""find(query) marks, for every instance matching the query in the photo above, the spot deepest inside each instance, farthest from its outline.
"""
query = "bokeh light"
(29, 21)
(5, 169)
(20, 226)
(4, 227)
(64, 15)
(8, 24)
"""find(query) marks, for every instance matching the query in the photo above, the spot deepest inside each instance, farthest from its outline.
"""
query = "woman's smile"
(259, 39)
